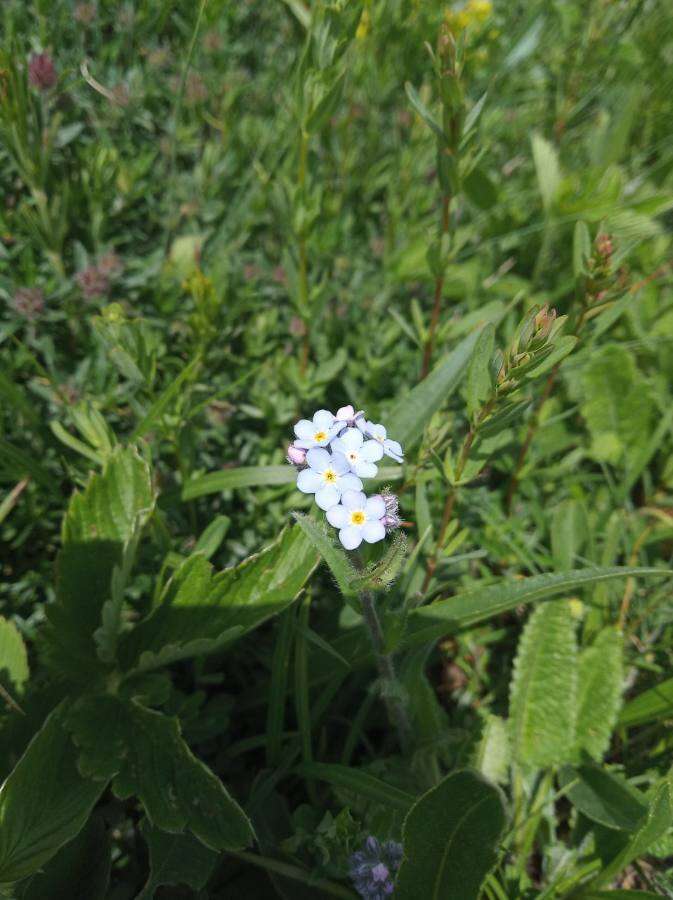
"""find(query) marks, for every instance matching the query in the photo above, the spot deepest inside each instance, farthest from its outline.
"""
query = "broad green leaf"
(202, 610)
(543, 690)
(547, 169)
(655, 824)
(43, 803)
(654, 704)
(450, 838)
(618, 405)
(603, 796)
(359, 782)
(79, 871)
(476, 605)
(144, 752)
(478, 384)
(176, 859)
(414, 410)
(334, 556)
(13, 656)
(600, 685)
(492, 756)
(98, 525)
(258, 476)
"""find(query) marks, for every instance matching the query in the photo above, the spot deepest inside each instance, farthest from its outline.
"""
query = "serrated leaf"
(13, 656)
(547, 169)
(334, 556)
(98, 524)
(603, 797)
(543, 690)
(43, 803)
(450, 839)
(413, 411)
(600, 685)
(175, 859)
(146, 755)
(202, 610)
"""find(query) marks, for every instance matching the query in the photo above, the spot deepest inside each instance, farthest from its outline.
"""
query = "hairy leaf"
(492, 756)
(334, 556)
(600, 685)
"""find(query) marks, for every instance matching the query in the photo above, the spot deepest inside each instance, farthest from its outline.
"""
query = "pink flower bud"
(41, 71)
(295, 455)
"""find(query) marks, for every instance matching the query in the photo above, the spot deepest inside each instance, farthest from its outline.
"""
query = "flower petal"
(338, 516)
(340, 463)
(375, 508)
(376, 431)
(305, 445)
(351, 537)
(345, 413)
(309, 481)
(337, 446)
(349, 482)
(323, 420)
(365, 469)
(318, 459)
(371, 451)
(304, 430)
(394, 450)
(353, 499)
(327, 496)
(351, 439)
(373, 532)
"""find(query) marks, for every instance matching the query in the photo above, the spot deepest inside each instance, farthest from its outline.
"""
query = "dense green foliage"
(215, 219)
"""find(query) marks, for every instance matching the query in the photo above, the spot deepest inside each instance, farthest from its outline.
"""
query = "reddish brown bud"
(41, 71)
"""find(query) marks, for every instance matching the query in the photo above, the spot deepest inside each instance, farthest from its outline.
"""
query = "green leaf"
(79, 871)
(176, 859)
(650, 706)
(430, 722)
(326, 106)
(620, 895)
(569, 530)
(480, 189)
(336, 559)
(603, 797)
(144, 752)
(424, 112)
(98, 526)
(493, 755)
(563, 346)
(655, 824)
(581, 248)
(43, 803)
(479, 385)
(476, 605)
(165, 399)
(201, 611)
(450, 837)
(258, 476)
(13, 656)
(547, 169)
(413, 411)
(543, 690)
(212, 536)
(600, 685)
(359, 782)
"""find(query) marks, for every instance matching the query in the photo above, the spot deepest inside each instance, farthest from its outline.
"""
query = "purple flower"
(296, 456)
(93, 282)
(29, 302)
(41, 71)
(373, 869)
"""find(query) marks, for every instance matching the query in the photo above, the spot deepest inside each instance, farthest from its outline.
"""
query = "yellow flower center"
(357, 517)
(329, 475)
(320, 436)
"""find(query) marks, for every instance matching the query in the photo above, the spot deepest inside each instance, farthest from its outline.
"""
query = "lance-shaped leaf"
(144, 752)
(201, 610)
(601, 680)
(44, 802)
(450, 839)
(99, 523)
(13, 656)
(543, 692)
(604, 796)
(337, 561)
(653, 704)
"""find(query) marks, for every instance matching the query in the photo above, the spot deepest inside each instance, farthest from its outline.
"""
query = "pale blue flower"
(374, 868)
(358, 519)
(327, 476)
(360, 454)
(317, 433)
(391, 448)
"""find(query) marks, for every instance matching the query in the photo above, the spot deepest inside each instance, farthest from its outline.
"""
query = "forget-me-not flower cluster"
(333, 454)
(373, 868)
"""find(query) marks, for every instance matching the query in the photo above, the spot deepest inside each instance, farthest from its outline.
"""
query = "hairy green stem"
(392, 690)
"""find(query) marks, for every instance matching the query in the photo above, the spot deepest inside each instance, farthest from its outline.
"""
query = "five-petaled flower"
(358, 519)
(361, 454)
(317, 433)
(327, 476)
(391, 448)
